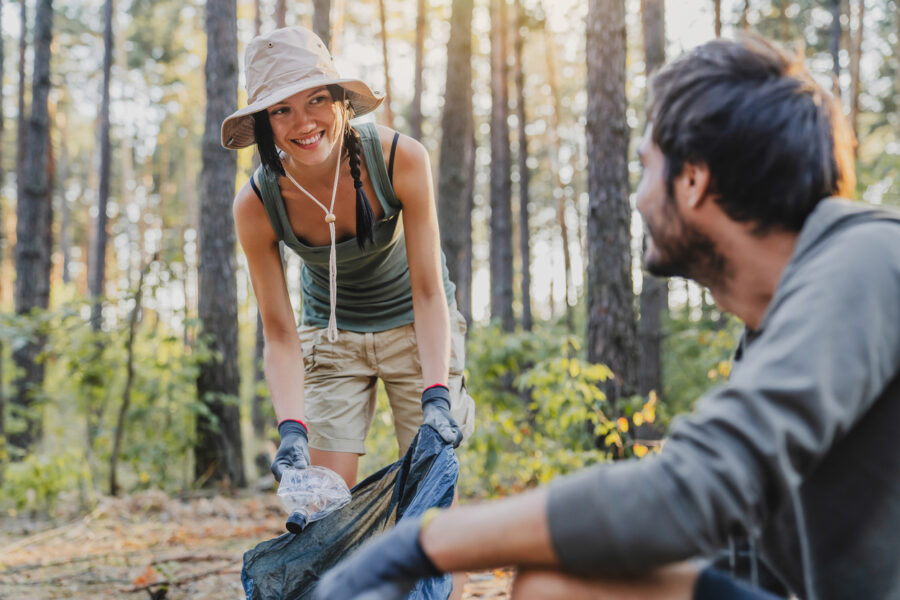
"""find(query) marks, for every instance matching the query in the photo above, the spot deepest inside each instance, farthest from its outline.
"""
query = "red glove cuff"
(296, 421)
(443, 385)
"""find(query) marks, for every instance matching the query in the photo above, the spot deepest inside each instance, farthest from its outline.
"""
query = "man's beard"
(683, 251)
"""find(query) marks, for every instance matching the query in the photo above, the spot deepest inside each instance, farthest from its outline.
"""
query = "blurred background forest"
(130, 339)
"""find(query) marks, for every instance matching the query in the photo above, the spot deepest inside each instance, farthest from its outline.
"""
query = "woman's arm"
(282, 352)
(414, 189)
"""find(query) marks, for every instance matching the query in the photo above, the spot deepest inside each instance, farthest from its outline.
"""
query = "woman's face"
(306, 125)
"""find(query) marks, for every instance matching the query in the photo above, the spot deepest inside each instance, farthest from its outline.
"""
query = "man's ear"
(693, 185)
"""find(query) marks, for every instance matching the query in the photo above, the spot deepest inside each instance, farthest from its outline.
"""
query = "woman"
(377, 302)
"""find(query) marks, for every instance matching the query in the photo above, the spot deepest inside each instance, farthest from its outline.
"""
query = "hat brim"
(237, 129)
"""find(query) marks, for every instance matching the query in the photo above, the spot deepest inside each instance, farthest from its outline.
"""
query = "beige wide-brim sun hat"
(280, 64)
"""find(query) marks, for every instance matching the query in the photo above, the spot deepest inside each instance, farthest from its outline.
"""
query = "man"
(742, 155)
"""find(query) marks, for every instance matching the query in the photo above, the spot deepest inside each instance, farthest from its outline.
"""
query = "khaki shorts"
(341, 381)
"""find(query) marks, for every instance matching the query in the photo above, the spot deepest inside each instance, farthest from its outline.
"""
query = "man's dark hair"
(774, 141)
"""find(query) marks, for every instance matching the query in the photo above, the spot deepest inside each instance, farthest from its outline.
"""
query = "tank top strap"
(378, 175)
(271, 199)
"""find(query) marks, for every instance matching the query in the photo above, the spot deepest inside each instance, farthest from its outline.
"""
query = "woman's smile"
(309, 142)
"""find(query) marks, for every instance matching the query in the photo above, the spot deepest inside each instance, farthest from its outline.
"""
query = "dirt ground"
(150, 545)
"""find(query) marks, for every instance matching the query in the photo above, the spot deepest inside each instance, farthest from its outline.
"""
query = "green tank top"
(373, 289)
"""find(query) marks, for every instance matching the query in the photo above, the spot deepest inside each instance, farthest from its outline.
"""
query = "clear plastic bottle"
(310, 494)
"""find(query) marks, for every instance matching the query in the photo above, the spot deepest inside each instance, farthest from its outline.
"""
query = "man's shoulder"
(850, 229)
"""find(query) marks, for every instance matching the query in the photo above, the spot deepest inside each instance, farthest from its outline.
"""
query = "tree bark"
(322, 20)
(834, 46)
(717, 5)
(457, 155)
(218, 450)
(654, 292)
(415, 111)
(281, 14)
(501, 207)
(524, 237)
(20, 119)
(98, 260)
(33, 231)
(388, 113)
(129, 379)
(65, 237)
(855, 57)
(560, 191)
(745, 12)
(611, 331)
(2, 244)
(785, 24)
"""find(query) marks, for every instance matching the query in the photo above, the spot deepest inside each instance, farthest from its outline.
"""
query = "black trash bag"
(289, 566)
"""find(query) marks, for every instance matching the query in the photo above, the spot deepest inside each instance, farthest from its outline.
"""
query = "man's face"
(675, 246)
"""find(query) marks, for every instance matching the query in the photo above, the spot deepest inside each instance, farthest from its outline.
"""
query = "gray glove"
(386, 567)
(436, 409)
(293, 452)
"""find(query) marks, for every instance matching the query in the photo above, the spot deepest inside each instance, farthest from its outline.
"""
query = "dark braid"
(265, 142)
(365, 218)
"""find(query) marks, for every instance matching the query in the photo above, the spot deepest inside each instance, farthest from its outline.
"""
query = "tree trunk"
(784, 22)
(611, 331)
(717, 5)
(654, 292)
(281, 14)
(129, 379)
(218, 450)
(560, 191)
(524, 237)
(415, 111)
(33, 232)
(257, 17)
(457, 155)
(98, 261)
(745, 12)
(855, 57)
(501, 208)
(65, 238)
(260, 400)
(322, 20)
(834, 46)
(388, 113)
(2, 243)
(464, 282)
(20, 119)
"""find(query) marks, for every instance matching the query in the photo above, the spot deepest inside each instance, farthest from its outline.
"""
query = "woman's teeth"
(309, 140)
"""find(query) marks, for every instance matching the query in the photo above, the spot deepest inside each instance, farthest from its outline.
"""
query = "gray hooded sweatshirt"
(799, 451)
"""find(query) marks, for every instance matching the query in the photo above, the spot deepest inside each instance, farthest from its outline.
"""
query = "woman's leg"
(343, 463)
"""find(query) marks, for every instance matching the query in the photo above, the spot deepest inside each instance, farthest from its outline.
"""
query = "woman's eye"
(318, 100)
(279, 111)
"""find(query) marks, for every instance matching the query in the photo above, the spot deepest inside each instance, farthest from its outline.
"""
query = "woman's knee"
(544, 585)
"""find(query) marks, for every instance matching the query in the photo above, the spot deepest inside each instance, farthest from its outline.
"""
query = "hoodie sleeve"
(829, 345)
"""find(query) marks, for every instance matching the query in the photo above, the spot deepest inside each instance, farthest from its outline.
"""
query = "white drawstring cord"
(332, 259)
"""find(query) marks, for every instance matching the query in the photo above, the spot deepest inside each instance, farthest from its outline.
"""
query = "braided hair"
(270, 159)
(365, 218)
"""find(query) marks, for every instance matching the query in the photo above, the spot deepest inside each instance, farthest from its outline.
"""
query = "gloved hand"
(386, 567)
(293, 452)
(436, 408)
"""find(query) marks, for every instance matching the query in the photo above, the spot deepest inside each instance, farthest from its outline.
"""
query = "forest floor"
(149, 544)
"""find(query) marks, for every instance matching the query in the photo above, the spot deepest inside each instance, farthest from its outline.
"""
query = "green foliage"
(540, 410)
(83, 393)
(696, 355)
(36, 483)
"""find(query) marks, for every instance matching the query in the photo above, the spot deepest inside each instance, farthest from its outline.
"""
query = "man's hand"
(436, 408)
(293, 452)
(384, 568)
